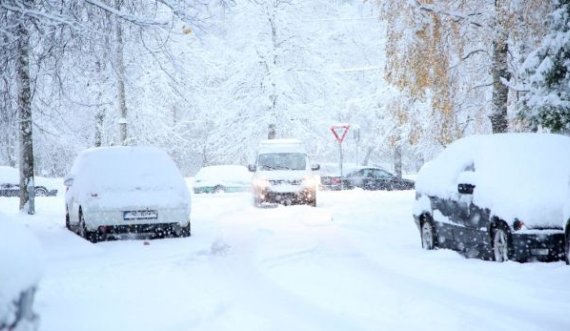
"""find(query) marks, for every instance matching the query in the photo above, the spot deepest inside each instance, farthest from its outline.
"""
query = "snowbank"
(20, 265)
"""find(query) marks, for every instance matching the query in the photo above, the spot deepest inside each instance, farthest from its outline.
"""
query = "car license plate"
(133, 215)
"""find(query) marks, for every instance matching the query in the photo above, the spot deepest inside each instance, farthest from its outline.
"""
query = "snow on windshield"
(521, 176)
(282, 161)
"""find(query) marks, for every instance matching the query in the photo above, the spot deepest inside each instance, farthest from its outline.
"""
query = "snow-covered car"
(496, 197)
(283, 173)
(117, 190)
(10, 184)
(373, 178)
(222, 178)
(20, 271)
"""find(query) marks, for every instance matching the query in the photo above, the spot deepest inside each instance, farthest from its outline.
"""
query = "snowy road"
(352, 263)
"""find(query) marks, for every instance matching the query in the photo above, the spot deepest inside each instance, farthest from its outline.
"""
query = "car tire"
(427, 235)
(40, 192)
(500, 240)
(313, 203)
(567, 245)
(67, 224)
(82, 231)
(185, 231)
(257, 202)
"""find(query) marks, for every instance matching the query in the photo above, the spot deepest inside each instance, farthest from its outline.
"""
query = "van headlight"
(261, 183)
(310, 181)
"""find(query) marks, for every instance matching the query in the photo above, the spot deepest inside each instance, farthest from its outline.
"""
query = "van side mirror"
(315, 167)
(68, 181)
(465, 188)
(251, 167)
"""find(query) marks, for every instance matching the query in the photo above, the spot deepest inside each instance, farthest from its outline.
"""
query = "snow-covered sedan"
(10, 184)
(496, 197)
(20, 271)
(117, 190)
(222, 178)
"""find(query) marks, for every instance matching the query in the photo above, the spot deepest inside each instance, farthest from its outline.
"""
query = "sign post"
(339, 131)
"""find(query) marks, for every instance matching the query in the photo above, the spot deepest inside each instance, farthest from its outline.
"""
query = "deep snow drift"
(352, 263)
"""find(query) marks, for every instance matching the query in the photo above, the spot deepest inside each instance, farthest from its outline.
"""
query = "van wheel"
(428, 235)
(500, 244)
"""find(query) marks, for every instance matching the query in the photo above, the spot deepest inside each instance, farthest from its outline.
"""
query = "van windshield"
(282, 161)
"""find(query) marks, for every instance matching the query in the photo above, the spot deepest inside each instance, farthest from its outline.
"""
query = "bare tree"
(25, 114)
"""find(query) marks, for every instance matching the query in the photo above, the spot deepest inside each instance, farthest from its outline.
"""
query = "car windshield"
(282, 161)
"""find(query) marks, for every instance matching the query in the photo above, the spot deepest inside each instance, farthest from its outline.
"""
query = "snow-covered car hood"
(516, 175)
(289, 175)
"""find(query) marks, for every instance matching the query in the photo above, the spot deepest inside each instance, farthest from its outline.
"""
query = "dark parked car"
(10, 187)
(329, 174)
(498, 197)
(372, 178)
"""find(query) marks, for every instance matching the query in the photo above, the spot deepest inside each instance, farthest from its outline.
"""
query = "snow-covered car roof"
(281, 146)
(11, 175)
(125, 167)
(20, 261)
(224, 173)
(517, 175)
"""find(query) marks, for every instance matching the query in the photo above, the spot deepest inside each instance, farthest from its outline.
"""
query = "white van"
(283, 173)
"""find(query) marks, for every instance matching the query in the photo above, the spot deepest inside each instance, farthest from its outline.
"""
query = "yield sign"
(340, 131)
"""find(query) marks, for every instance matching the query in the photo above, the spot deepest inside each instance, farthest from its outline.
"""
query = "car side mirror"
(465, 188)
(315, 167)
(251, 167)
(68, 182)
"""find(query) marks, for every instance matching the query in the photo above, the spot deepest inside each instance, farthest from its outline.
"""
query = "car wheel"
(313, 202)
(567, 243)
(185, 231)
(67, 224)
(40, 192)
(257, 201)
(92, 236)
(219, 189)
(500, 245)
(428, 235)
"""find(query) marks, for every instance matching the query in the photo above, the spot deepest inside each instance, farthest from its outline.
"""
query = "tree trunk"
(25, 116)
(500, 71)
(398, 160)
(367, 156)
(120, 73)
(272, 132)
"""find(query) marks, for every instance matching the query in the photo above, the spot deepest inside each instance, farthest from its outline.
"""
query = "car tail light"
(518, 225)
(335, 180)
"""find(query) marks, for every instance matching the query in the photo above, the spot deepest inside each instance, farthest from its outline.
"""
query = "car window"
(378, 173)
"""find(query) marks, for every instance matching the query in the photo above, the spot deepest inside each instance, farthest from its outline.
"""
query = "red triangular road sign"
(340, 131)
